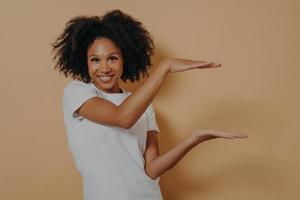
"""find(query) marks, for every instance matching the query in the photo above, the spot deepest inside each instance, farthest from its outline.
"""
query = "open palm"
(201, 135)
(178, 65)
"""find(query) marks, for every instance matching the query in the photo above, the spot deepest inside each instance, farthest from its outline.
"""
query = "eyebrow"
(108, 54)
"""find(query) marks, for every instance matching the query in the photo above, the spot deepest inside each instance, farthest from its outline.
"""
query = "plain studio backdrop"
(256, 92)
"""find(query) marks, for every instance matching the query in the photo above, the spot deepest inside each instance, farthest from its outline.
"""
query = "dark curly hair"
(127, 33)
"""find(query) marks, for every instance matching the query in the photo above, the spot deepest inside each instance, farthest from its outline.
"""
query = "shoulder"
(75, 85)
(76, 93)
(78, 89)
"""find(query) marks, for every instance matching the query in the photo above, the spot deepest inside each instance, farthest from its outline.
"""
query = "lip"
(105, 80)
(110, 75)
(105, 75)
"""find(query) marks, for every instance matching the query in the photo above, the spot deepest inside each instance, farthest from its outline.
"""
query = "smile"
(105, 78)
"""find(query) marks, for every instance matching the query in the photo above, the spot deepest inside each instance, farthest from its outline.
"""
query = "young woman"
(112, 133)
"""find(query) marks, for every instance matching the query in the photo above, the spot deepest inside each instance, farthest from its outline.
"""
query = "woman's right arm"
(129, 111)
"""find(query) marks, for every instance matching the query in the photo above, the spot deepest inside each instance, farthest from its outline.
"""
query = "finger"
(216, 65)
(230, 135)
(209, 65)
(226, 137)
(234, 134)
(189, 62)
(241, 136)
(199, 65)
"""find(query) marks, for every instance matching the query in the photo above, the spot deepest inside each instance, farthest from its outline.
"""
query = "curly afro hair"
(127, 33)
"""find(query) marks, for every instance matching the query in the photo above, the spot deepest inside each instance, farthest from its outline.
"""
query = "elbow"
(126, 120)
(127, 124)
(151, 175)
(151, 172)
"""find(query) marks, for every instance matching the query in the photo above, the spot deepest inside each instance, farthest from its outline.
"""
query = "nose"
(104, 68)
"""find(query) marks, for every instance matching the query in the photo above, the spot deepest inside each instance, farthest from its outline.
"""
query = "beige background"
(255, 92)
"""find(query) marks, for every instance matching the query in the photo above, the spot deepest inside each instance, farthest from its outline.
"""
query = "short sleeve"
(75, 94)
(151, 120)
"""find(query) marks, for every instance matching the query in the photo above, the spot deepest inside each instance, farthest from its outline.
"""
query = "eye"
(94, 59)
(113, 58)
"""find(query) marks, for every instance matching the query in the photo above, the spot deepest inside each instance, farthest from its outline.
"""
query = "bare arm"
(129, 111)
(157, 165)
(136, 104)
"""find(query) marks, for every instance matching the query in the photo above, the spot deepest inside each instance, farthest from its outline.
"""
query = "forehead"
(103, 47)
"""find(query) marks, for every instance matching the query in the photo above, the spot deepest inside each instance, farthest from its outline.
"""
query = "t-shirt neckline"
(112, 94)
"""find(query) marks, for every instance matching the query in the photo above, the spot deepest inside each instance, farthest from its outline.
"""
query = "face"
(105, 65)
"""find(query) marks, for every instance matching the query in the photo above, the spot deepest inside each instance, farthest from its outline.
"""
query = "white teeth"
(105, 78)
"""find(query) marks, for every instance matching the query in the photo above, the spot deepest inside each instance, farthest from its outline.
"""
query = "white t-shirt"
(109, 158)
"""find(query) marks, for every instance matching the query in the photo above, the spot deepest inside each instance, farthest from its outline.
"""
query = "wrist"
(165, 65)
(166, 68)
(195, 140)
(192, 141)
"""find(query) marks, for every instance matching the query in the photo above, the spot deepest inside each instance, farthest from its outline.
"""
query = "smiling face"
(105, 65)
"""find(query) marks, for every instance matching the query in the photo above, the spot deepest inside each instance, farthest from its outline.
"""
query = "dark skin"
(105, 64)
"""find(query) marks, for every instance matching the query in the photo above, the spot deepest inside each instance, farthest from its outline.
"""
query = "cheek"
(92, 67)
(120, 70)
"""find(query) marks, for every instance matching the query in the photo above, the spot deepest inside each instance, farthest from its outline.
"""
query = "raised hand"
(201, 135)
(178, 65)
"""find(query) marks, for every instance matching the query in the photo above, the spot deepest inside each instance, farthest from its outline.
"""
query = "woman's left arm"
(156, 165)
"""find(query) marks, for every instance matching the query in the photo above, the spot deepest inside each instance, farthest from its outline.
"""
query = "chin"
(107, 86)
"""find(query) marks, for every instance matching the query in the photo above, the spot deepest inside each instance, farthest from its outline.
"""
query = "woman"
(112, 133)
